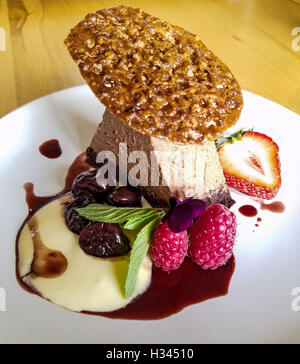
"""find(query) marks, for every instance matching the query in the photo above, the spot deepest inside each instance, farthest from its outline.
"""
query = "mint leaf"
(111, 214)
(139, 250)
(137, 222)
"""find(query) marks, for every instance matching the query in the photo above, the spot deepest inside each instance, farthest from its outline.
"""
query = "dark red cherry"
(88, 183)
(75, 222)
(103, 240)
(126, 196)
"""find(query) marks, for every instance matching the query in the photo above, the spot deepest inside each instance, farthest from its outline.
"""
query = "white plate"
(258, 307)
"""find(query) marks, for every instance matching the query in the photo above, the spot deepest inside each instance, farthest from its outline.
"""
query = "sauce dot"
(51, 149)
(248, 210)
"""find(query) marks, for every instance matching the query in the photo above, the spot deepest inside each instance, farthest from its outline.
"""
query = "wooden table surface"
(254, 37)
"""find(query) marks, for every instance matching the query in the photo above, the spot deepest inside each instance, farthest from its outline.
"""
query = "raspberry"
(168, 249)
(212, 237)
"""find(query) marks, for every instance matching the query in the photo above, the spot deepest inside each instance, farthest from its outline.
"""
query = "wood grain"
(252, 36)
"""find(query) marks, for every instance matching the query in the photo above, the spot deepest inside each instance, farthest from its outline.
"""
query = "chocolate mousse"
(164, 92)
(209, 185)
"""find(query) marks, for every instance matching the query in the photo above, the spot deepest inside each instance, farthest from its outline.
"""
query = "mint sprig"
(139, 250)
(130, 218)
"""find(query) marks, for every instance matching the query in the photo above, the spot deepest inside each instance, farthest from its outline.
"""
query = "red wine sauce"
(35, 202)
(78, 166)
(248, 211)
(51, 149)
(276, 206)
(170, 292)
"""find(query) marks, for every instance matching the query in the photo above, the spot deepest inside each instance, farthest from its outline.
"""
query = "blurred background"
(258, 39)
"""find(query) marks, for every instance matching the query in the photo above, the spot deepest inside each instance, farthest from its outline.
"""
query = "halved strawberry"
(251, 163)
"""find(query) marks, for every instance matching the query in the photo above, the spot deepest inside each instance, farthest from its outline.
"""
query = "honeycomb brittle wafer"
(157, 78)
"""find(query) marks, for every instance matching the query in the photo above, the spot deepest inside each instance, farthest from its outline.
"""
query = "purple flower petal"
(181, 216)
(173, 203)
(184, 201)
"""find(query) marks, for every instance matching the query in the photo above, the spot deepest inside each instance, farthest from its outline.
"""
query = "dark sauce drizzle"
(251, 211)
(276, 206)
(248, 211)
(51, 149)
